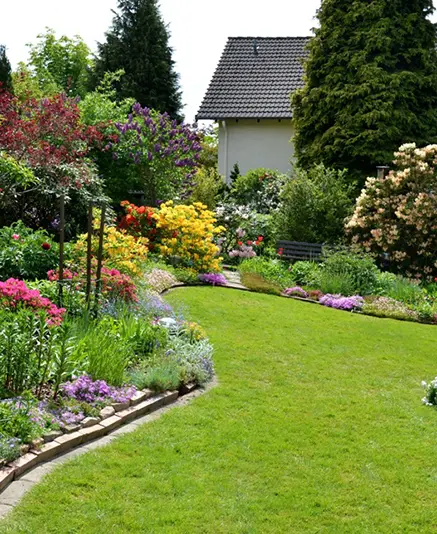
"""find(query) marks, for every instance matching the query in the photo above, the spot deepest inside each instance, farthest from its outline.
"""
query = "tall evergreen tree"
(371, 84)
(5, 69)
(138, 43)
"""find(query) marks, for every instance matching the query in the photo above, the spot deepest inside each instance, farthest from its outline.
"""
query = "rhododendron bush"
(397, 214)
(188, 235)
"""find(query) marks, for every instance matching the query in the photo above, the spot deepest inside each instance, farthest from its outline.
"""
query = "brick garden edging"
(111, 418)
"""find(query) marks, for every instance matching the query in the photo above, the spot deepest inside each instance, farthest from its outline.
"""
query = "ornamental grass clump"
(339, 302)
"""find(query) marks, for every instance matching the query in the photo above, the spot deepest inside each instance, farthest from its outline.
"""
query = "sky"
(199, 29)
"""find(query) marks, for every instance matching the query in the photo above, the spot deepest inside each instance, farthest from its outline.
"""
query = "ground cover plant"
(308, 400)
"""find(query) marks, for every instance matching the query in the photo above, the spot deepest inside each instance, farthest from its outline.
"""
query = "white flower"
(424, 384)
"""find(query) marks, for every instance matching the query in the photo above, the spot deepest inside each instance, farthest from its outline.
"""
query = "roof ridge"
(271, 38)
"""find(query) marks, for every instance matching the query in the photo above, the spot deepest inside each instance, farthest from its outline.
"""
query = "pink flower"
(16, 237)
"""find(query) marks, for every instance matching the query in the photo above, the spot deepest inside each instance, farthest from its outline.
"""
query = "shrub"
(314, 206)
(430, 398)
(337, 284)
(259, 189)
(120, 251)
(15, 295)
(188, 236)
(25, 253)
(208, 184)
(306, 273)
(360, 269)
(166, 152)
(397, 215)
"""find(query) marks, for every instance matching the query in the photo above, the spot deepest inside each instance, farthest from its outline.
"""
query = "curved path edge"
(27, 472)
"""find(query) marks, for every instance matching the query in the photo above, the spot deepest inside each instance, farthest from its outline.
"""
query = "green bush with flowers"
(26, 253)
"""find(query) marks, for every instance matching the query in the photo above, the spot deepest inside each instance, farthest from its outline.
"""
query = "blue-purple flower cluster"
(215, 279)
(84, 389)
(339, 302)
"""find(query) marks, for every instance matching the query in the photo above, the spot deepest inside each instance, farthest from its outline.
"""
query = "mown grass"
(316, 426)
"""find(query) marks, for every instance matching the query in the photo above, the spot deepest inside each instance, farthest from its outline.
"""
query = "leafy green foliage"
(26, 253)
(306, 273)
(103, 352)
(60, 65)
(259, 190)
(359, 272)
(314, 205)
(371, 84)
(208, 184)
(138, 43)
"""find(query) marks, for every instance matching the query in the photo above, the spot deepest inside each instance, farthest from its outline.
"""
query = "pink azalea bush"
(397, 214)
(15, 294)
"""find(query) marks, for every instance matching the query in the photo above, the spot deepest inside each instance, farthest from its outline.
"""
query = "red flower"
(249, 243)
(46, 246)
(281, 251)
(240, 243)
(260, 238)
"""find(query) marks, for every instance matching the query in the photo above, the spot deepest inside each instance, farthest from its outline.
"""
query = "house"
(249, 96)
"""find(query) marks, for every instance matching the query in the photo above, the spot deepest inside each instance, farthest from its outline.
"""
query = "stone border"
(141, 406)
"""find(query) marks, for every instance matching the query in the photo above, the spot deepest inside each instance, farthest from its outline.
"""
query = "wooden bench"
(295, 251)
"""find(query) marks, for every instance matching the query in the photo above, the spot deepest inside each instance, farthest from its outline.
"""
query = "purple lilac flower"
(296, 292)
(216, 279)
(342, 303)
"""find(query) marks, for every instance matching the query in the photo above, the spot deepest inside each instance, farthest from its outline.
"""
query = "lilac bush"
(215, 279)
(167, 152)
(84, 389)
(296, 292)
(342, 303)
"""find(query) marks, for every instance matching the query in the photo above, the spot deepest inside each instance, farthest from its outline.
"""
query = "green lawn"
(316, 426)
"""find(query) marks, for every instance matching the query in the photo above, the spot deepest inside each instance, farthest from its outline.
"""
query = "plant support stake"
(100, 255)
(61, 247)
(89, 253)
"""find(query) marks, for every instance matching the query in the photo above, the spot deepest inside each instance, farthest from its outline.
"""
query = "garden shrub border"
(111, 418)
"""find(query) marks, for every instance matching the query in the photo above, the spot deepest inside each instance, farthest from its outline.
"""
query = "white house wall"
(254, 144)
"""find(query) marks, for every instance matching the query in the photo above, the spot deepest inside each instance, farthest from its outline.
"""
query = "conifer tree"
(5, 69)
(371, 84)
(138, 43)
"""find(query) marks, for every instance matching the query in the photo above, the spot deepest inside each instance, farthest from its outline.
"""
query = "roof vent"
(255, 47)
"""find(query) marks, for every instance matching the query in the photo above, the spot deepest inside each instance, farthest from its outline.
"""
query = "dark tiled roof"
(249, 85)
